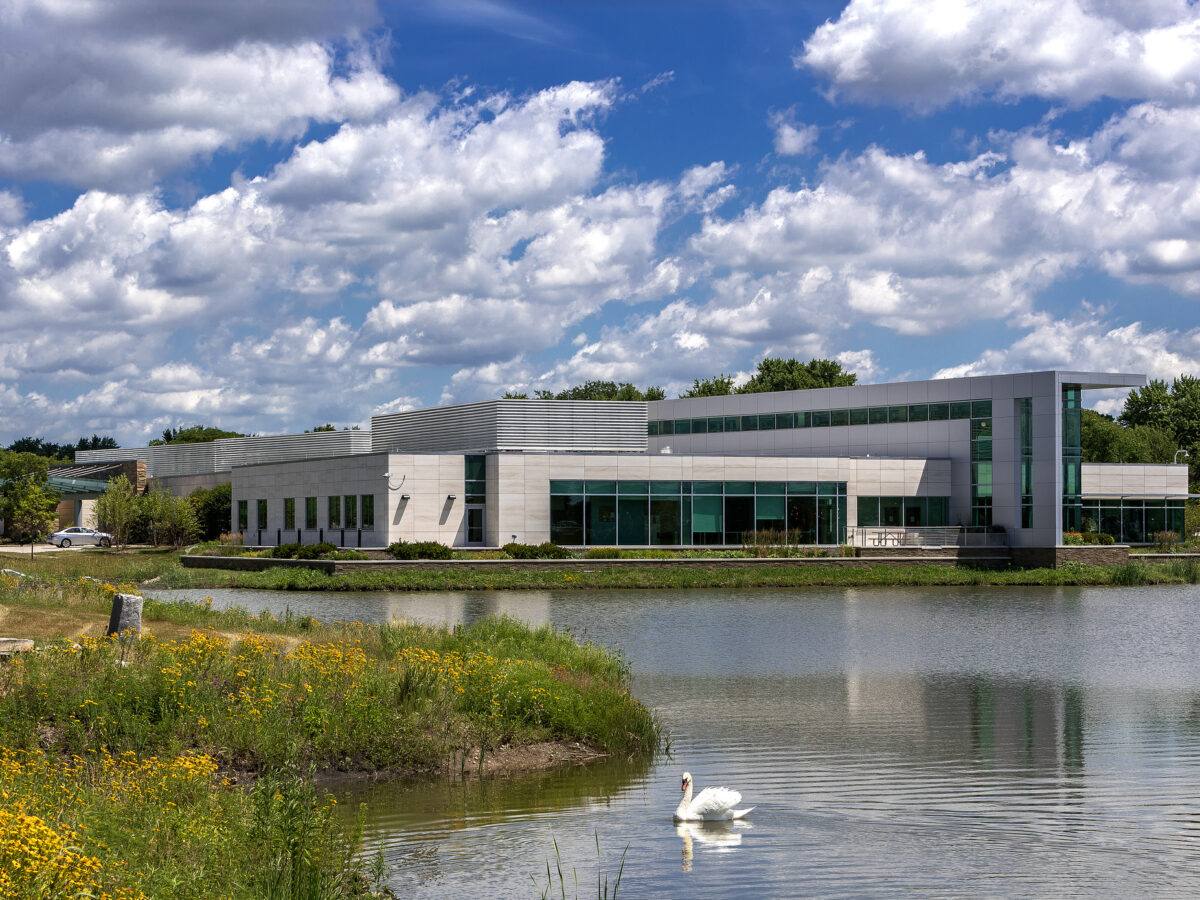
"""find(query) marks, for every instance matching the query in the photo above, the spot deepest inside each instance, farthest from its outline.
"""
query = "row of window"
(340, 512)
(825, 418)
(741, 488)
(674, 513)
(904, 512)
(1130, 520)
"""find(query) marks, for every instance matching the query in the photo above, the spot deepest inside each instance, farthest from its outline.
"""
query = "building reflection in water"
(1010, 724)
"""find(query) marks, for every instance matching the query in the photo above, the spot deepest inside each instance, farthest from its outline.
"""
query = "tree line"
(61, 452)
(772, 374)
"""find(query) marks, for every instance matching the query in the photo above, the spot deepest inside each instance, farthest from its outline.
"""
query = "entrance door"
(475, 524)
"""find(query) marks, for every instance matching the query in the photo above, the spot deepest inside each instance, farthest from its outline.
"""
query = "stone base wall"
(1053, 557)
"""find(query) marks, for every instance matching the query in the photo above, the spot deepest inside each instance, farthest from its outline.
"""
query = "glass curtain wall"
(909, 512)
(682, 513)
(1072, 458)
(1132, 520)
(1025, 417)
(981, 461)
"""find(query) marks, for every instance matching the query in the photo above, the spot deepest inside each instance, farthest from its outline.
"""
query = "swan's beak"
(683, 786)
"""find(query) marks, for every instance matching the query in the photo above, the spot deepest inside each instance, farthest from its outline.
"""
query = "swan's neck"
(685, 803)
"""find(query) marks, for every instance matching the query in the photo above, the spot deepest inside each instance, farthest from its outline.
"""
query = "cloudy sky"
(270, 215)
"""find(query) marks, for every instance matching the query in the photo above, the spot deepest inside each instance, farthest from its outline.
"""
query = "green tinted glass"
(960, 409)
(839, 417)
(939, 412)
(566, 487)
(739, 487)
(918, 412)
(877, 415)
(708, 487)
(716, 424)
(601, 487)
(858, 416)
(633, 487)
(820, 419)
(769, 487)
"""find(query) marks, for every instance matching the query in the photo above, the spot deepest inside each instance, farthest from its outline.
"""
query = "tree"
(716, 386)
(116, 510)
(172, 519)
(776, 374)
(197, 434)
(1150, 405)
(23, 492)
(595, 390)
(1175, 410)
(1106, 441)
(39, 447)
(95, 442)
(326, 427)
(212, 507)
(30, 510)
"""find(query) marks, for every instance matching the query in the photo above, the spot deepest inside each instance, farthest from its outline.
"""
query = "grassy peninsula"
(181, 764)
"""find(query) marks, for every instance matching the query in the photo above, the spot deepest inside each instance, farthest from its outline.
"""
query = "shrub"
(546, 550)
(348, 554)
(1166, 541)
(301, 551)
(1103, 538)
(419, 550)
(602, 553)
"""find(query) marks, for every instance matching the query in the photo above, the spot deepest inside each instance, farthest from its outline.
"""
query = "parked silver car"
(79, 536)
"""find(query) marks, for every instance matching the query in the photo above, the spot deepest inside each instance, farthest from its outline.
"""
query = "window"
(877, 415)
(820, 419)
(474, 478)
(1025, 417)
(601, 518)
(733, 423)
(351, 509)
(960, 409)
(716, 424)
(699, 426)
(785, 420)
(749, 423)
(335, 512)
(262, 514)
(683, 426)
(368, 511)
(918, 412)
(859, 416)
(310, 512)
(566, 519)
(939, 412)
(289, 513)
(897, 413)
(652, 428)
(766, 422)
(804, 420)
(839, 417)
(243, 515)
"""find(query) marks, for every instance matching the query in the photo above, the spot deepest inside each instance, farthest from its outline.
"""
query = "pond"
(937, 742)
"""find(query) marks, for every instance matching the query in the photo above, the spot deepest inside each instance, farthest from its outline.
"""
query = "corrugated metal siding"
(248, 451)
(571, 425)
(121, 455)
(171, 460)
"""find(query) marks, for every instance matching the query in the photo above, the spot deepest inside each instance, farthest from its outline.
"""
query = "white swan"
(714, 804)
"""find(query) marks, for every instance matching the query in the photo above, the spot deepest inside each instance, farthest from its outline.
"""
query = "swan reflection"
(716, 837)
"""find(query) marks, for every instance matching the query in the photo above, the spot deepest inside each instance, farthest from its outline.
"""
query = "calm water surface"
(936, 742)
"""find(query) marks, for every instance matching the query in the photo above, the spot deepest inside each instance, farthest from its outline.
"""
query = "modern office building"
(1000, 453)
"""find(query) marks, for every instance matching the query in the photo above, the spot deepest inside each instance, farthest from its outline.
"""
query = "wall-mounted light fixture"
(452, 496)
(1186, 455)
(394, 487)
(405, 497)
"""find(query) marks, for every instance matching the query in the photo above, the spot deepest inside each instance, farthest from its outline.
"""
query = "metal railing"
(873, 536)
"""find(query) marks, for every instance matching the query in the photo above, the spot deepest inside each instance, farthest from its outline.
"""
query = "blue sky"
(270, 216)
